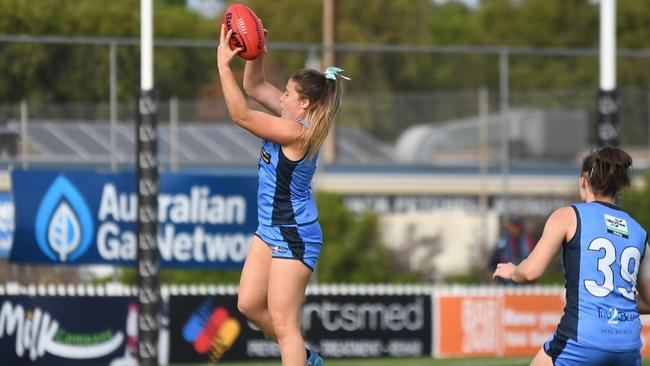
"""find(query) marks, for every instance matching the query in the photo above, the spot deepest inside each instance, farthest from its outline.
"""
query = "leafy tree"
(352, 252)
(449, 24)
(636, 201)
(352, 249)
(173, 2)
(374, 73)
(632, 32)
(60, 73)
(357, 22)
(64, 73)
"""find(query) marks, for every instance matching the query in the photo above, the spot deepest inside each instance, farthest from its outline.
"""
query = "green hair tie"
(333, 72)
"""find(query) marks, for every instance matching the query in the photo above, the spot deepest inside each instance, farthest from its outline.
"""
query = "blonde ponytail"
(324, 93)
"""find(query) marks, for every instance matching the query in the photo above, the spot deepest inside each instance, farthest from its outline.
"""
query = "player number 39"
(605, 267)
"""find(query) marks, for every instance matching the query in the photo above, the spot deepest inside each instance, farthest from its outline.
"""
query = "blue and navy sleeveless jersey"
(284, 194)
(601, 263)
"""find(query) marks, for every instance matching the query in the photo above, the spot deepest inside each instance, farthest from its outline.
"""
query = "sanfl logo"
(64, 227)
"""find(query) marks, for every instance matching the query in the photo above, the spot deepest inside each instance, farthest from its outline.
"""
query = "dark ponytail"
(608, 170)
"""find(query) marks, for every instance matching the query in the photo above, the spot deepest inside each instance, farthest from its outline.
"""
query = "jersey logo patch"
(616, 226)
(266, 157)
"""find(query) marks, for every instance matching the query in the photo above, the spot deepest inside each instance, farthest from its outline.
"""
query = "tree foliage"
(357, 22)
(352, 252)
(352, 249)
(636, 201)
(57, 73)
(64, 73)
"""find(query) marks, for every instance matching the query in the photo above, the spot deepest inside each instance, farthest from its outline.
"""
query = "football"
(247, 31)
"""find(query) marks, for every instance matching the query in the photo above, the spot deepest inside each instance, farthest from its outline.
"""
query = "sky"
(208, 8)
(470, 3)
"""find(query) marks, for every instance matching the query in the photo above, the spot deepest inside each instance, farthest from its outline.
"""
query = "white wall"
(440, 243)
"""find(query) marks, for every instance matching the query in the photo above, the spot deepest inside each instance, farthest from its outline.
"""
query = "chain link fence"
(395, 89)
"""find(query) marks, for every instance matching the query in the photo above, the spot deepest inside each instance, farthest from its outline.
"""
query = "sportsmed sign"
(86, 217)
(210, 329)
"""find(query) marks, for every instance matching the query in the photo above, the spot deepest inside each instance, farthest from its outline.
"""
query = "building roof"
(198, 144)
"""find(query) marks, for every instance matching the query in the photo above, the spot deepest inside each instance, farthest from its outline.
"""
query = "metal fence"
(441, 91)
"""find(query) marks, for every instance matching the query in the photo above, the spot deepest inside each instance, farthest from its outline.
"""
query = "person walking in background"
(288, 240)
(513, 245)
(601, 249)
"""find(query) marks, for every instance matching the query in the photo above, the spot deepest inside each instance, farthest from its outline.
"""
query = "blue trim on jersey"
(568, 328)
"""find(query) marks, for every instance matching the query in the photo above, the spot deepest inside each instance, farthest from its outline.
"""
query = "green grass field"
(412, 362)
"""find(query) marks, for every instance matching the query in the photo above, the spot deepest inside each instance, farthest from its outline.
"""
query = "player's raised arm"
(262, 125)
(256, 86)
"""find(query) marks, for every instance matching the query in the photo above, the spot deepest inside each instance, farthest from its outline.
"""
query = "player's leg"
(541, 359)
(287, 283)
(253, 287)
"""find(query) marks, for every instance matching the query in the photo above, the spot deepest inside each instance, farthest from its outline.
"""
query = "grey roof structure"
(198, 144)
(533, 134)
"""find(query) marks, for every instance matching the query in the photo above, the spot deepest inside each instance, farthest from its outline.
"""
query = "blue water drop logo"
(64, 226)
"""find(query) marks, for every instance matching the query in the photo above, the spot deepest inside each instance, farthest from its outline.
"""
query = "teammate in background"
(601, 251)
(288, 240)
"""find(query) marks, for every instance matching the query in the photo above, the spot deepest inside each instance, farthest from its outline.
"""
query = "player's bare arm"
(262, 125)
(258, 88)
(559, 228)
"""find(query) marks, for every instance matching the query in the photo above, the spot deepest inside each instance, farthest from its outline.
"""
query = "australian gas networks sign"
(77, 217)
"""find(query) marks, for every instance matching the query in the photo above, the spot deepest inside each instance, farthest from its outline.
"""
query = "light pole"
(608, 102)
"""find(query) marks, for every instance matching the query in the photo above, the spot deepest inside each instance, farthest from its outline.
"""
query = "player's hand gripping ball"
(247, 31)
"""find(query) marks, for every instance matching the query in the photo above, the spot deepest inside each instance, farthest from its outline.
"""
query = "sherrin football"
(248, 31)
